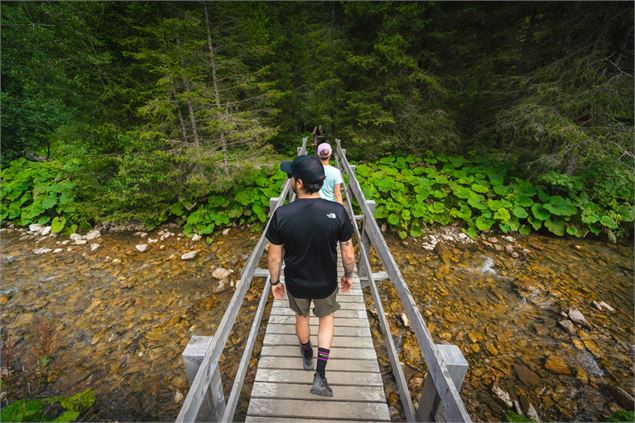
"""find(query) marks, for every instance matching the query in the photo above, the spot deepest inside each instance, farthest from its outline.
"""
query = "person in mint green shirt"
(332, 187)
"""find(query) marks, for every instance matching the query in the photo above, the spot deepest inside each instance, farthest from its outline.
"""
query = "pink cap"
(324, 150)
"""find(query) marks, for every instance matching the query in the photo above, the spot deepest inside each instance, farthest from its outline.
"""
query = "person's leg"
(325, 338)
(302, 328)
(301, 307)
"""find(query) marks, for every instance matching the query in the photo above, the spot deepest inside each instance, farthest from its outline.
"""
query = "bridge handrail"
(200, 384)
(437, 369)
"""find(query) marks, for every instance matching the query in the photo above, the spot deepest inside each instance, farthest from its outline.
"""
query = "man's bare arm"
(274, 261)
(348, 257)
(338, 193)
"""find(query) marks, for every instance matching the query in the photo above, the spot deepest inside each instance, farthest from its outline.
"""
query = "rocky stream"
(546, 324)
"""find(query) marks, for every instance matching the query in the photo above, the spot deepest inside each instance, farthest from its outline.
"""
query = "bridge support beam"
(213, 404)
(457, 367)
(272, 203)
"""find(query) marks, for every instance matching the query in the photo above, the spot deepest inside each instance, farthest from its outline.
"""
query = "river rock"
(152, 240)
(221, 273)
(58, 250)
(75, 237)
(7, 260)
(623, 398)
(225, 231)
(526, 375)
(196, 237)
(190, 255)
(533, 414)
(567, 325)
(557, 365)
(578, 317)
(40, 251)
(508, 238)
(34, 227)
(502, 396)
(141, 247)
(94, 234)
(45, 231)
(94, 247)
(606, 307)
(443, 252)
(498, 247)
(515, 254)
(116, 261)
(65, 242)
(178, 397)
(80, 242)
(404, 320)
(509, 249)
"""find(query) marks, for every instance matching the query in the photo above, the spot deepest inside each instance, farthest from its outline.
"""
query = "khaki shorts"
(322, 306)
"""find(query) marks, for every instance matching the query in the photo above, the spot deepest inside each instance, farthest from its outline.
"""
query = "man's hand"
(278, 291)
(347, 282)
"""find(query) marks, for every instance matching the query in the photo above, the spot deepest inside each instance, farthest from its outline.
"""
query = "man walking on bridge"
(307, 232)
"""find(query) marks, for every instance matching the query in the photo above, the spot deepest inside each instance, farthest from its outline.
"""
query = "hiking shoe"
(307, 362)
(321, 386)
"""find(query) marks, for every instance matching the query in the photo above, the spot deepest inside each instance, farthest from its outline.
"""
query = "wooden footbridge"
(280, 392)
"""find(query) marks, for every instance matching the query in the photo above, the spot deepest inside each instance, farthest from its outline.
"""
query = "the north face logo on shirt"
(331, 215)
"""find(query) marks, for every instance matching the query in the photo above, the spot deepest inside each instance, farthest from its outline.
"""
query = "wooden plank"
(349, 365)
(343, 305)
(450, 397)
(355, 314)
(316, 409)
(339, 330)
(313, 321)
(338, 341)
(336, 353)
(334, 377)
(302, 391)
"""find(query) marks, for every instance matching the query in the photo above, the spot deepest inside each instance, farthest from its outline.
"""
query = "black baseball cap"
(307, 168)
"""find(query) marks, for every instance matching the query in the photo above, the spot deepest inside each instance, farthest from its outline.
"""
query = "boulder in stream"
(45, 231)
(141, 247)
(34, 227)
(577, 317)
(221, 273)
(190, 255)
(94, 234)
(567, 325)
(40, 251)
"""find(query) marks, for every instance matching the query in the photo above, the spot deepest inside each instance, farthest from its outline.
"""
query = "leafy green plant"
(36, 409)
(412, 192)
(35, 192)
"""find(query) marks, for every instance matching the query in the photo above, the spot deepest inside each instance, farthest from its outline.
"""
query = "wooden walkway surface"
(281, 390)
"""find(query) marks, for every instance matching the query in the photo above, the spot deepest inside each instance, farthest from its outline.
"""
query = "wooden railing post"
(365, 238)
(457, 367)
(213, 405)
(272, 204)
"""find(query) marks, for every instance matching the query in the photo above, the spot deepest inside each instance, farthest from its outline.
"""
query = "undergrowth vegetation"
(412, 193)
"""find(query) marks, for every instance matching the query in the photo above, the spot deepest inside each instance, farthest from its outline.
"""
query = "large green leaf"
(520, 212)
(484, 224)
(540, 212)
(560, 206)
(555, 226)
(58, 224)
(608, 222)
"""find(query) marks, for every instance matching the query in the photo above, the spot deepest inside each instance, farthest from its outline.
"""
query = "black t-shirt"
(309, 229)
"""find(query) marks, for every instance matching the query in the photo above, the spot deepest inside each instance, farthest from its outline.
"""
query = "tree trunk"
(190, 107)
(181, 120)
(212, 64)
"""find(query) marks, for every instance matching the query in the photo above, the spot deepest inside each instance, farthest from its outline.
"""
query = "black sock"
(323, 357)
(307, 349)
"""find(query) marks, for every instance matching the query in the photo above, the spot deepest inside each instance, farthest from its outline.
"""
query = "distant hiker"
(332, 188)
(308, 231)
